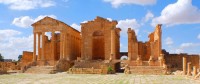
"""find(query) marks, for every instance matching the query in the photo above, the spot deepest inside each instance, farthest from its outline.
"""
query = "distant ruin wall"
(27, 57)
(176, 60)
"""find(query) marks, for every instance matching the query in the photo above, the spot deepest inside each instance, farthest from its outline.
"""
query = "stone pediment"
(47, 21)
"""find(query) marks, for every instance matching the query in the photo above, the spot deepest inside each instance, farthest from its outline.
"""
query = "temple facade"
(64, 42)
(100, 39)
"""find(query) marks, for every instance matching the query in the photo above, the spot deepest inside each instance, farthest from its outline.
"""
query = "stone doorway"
(98, 51)
(118, 68)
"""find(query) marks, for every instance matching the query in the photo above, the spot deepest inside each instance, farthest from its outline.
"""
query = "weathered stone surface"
(96, 48)
(64, 44)
(8, 66)
(176, 61)
(100, 39)
(63, 65)
(151, 49)
(27, 58)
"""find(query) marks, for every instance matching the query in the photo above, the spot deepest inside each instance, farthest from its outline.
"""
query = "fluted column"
(34, 48)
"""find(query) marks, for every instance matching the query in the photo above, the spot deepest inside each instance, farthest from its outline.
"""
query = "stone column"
(34, 48)
(189, 69)
(161, 59)
(64, 45)
(61, 44)
(112, 54)
(194, 71)
(184, 65)
(69, 47)
(152, 49)
(129, 44)
(39, 55)
(53, 45)
(139, 61)
(43, 45)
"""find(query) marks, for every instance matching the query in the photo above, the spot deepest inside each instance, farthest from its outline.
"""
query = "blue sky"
(180, 19)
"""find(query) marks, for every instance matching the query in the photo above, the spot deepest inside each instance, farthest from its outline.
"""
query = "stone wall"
(27, 58)
(85, 71)
(175, 61)
(138, 49)
(5, 66)
(96, 39)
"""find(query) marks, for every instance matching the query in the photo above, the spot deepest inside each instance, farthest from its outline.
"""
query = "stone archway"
(98, 43)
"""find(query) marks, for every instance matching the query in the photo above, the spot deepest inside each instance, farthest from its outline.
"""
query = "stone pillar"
(43, 45)
(69, 47)
(151, 61)
(39, 55)
(152, 49)
(64, 44)
(194, 71)
(112, 54)
(129, 44)
(139, 61)
(53, 45)
(61, 44)
(161, 59)
(34, 48)
(184, 65)
(189, 69)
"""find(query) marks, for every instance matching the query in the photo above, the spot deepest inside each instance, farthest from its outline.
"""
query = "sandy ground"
(120, 78)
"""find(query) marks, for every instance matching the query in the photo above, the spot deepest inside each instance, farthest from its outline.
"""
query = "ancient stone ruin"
(96, 50)
(146, 58)
(100, 45)
(64, 45)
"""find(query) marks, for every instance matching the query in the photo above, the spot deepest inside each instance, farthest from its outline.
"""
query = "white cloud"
(148, 16)
(117, 3)
(26, 21)
(23, 22)
(198, 36)
(5, 34)
(110, 19)
(178, 51)
(189, 45)
(190, 48)
(181, 12)
(27, 4)
(77, 27)
(84, 22)
(12, 45)
(128, 23)
(169, 41)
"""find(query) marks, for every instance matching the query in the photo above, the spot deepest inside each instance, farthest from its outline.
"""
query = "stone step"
(152, 70)
(89, 64)
(41, 69)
